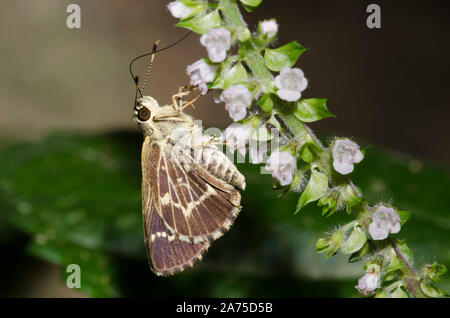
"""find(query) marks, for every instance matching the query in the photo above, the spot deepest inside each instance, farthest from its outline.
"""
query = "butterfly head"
(145, 109)
(152, 118)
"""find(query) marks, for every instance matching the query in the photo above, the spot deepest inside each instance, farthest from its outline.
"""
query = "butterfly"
(190, 189)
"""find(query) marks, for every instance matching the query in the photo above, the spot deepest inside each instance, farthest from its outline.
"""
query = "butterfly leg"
(177, 99)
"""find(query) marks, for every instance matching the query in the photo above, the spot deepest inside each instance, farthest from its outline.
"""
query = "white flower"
(345, 154)
(291, 83)
(217, 42)
(384, 221)
(236, 137)
(237, 98)
(269, 28)
(201, 73)
(179, 10)
(282, 165)
(369, 282)
(257, 151)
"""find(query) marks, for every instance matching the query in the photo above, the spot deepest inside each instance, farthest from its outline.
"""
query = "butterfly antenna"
(152, 58)
(152, 53)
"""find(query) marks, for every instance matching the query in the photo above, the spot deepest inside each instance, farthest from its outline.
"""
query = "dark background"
(388, 87)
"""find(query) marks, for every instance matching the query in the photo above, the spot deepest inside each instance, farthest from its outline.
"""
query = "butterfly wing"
(194, 205)
(166, 253)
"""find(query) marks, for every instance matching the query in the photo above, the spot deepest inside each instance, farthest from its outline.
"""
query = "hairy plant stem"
(302, 133)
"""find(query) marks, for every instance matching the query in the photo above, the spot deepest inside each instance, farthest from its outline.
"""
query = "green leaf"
(251, 5)
(310, 110)
(266, 103)
(201, 24)
(284, 56)
(317, 186)
(404, 216)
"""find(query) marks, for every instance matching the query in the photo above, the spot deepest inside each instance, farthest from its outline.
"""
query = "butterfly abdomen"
(220, 166)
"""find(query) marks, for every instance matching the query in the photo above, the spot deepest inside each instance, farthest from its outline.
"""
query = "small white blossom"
(269, 28)
(236, 137)
(345, 154)
(369, 282)
(201, 73)
(179, 10)
(282, 165)
(384, 221)
(217, 42)
(237, 99)
(257, 151)
(291, 83)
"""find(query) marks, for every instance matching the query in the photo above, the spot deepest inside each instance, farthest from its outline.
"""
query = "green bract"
(284, 56)
(236, 75)
(196, 6)
(355, 241)
(309, 151)
(310, 110)
(266, 103)
(317, 186)
(201, 24)
(430, 290)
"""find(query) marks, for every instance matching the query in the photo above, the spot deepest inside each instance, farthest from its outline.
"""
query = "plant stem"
(411, 278)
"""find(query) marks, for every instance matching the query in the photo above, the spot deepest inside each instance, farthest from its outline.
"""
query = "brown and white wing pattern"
(166, 253)
(185, 207)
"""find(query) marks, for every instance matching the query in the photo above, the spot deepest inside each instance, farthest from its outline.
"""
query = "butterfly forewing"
(167, 254)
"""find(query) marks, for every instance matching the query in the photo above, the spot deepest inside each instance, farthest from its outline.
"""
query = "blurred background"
(69, 151)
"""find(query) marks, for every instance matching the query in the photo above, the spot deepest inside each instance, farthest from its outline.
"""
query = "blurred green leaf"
(78, 198)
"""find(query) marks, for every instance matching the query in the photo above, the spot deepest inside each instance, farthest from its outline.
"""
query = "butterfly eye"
(144, 114)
